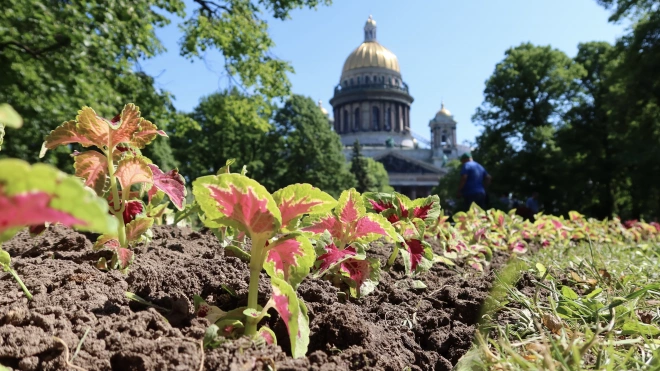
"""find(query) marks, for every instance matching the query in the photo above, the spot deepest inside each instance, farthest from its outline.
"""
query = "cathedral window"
(359, 80)
(356, 120)
(388, 120)
(345, 123)
(351, 81)
(375, 118)
(366, 80)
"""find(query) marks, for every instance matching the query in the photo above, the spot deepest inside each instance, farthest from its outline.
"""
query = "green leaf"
(541, 268)
(633, 327)
(568, 293)
(9, 117)
(5, 258)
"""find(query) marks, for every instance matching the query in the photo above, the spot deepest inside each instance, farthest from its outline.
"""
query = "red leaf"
(32, 208)
(133, 208)
(358, 270)
(122, 257)
(37, 229)
(172, 183)
(380, 206)
(416, 251)
(422, 211)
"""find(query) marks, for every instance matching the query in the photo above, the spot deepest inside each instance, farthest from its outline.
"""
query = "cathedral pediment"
(399, 163)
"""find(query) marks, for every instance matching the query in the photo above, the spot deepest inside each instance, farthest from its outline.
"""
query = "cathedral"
(372, 103)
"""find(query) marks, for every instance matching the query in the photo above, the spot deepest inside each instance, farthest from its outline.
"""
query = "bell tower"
(443, 136)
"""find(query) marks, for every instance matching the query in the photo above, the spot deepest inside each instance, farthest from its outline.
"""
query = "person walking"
(533, 203)
(474, 180)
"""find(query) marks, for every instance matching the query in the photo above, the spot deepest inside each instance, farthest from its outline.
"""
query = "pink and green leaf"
(109, 241)
(290, 258)
(417, 256)
(137, 228)
(268, 335)
(362, 276)
(92, 167)
(329, 256)
(121, 258)
(133, 170)
(350, 222)
(296, 200)
(294, 314)
(35, 194)
(239, 202)
(171, 183)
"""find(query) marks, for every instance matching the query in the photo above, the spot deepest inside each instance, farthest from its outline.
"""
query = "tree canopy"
(57, 56)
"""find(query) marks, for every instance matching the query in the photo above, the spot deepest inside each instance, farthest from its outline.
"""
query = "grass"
(583, 307)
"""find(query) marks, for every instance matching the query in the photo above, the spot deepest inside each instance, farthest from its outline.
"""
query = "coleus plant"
(410, 220)
(34, 195)
(341, 249)
(114, 169)
(272, 224)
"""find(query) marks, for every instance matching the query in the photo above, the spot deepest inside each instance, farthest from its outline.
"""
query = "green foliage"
(223, 126)
(448, 184)
(303, 148)
(370, 174)
(594, 117)
(57, 56)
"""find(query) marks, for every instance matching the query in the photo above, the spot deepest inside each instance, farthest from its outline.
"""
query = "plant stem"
(116, 203)
(20, 282)
(392, 257)
(256, 263)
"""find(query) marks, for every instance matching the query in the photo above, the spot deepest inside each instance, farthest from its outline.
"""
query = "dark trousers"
(477, 198)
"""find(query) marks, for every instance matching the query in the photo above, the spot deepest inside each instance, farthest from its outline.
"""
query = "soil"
(393, 328)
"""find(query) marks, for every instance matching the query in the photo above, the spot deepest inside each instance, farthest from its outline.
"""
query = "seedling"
(272, 223)
(410, 220)
(341, 250)
(34, 195)
(114, 168)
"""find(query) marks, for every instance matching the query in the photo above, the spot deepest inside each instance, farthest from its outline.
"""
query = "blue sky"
(446, 49)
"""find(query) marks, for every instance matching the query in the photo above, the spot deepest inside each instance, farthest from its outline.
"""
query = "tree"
(223, 126)
(303, 149)
(525, 101)
(57, 56)
(360, 169)
(588, 142)
(448, 184)
(381, 179)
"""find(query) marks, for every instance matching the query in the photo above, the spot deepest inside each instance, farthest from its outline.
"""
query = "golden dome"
(371, 54)
(443, 111)
(323, 110)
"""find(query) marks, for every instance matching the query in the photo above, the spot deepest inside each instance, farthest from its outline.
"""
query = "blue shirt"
(475, 178)
(533, 205)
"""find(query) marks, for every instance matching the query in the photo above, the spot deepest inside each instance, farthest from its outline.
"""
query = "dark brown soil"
(394, 328)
